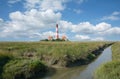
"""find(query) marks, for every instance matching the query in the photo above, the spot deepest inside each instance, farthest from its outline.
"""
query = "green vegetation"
(4, 58)
(23, 59)
(52, 53)
(116, 51)
(24, 69)
(110, 70)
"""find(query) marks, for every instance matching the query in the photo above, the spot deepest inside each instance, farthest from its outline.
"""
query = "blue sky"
(78, 20)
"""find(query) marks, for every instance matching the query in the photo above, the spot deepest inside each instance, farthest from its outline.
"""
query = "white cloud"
(37, 24)
(110, 18)
(84, 27)
(30, 21)
(114, 31)
(65, 26)
(30, 4)
(36, 18)
(33, 21)
(98, 39)
(88, 38)
(102, 27)
(82, 37)
(45, 4)
(54, 5)
(13, 1)
(113, 16)
(43, 35)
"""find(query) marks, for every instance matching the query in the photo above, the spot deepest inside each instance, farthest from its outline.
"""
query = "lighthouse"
(57, 32)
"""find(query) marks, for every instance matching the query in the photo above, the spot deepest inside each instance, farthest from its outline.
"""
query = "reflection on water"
(82, 72)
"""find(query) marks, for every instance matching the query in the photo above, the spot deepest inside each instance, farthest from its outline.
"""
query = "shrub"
(24, 69)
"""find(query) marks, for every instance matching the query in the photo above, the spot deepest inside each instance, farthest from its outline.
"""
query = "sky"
(78, 20)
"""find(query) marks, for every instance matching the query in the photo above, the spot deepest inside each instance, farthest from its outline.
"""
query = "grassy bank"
(116, 51)
(60, 54)
(52, 53)
(110, 70)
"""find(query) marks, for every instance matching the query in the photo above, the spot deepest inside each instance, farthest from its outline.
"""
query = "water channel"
(82, 72)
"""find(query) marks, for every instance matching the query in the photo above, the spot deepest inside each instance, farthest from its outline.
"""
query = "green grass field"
(110, 70)
(22, 55)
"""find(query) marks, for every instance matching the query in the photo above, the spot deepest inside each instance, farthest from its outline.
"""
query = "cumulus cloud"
(84, 27)
(33, 20)
(88, 28)
(113, 16)
(102, 27)
(38, 18)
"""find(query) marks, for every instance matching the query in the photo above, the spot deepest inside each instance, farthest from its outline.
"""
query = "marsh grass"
(50, 52)
(57, 50)
(24, 55)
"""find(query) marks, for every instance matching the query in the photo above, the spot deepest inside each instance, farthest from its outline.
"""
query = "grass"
(24, 55)
(4, 58)
(24, 69)
(110, 70)
(52, 52)
(116, 51)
